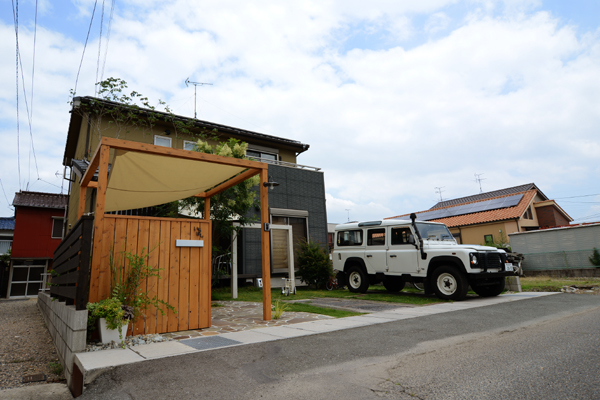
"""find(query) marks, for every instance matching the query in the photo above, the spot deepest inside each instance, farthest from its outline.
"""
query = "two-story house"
(298, 202)
(38, 231)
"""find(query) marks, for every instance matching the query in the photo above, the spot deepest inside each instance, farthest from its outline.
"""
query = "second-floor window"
(188, 145)
(162, 141)
(263, 156)
(57, 228)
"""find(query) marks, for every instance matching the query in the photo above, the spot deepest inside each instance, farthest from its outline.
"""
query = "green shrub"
(595, 257)
(314, 265)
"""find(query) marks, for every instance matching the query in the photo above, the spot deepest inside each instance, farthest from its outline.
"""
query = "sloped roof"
(245, 135)
(7, 223)
(501, 214)
(490, 195)
(40, 200)
(527, 191)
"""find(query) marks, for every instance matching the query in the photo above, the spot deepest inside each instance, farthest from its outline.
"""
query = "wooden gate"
(185, 275)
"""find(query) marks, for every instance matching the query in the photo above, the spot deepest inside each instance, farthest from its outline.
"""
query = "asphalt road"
(543, 348)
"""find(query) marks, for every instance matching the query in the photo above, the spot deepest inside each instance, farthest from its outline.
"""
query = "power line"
(4, 191)
(99, 47)
(573, 197)
(85, 46)
(112, 9)
(16, 21)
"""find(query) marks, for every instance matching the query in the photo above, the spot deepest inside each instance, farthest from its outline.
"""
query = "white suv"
(397, 251)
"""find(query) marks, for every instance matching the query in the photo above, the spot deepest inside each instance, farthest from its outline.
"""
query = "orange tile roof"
(501, 214)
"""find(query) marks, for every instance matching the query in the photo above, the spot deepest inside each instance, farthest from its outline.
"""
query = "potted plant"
(113, 318)
(128, 301)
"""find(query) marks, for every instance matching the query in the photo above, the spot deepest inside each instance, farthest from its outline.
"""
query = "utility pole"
(196, 84)
(478, 180)
(348, 211)
(439, 191)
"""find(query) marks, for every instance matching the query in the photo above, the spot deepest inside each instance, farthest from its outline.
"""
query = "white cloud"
(511, 94)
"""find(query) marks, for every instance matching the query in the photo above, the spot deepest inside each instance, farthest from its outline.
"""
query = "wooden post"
(82, 196)
(99, 223)
(208, 257)
(266, 246)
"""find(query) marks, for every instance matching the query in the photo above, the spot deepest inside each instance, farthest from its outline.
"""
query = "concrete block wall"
(68, 328)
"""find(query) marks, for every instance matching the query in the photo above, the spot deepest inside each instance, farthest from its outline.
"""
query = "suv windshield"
(434, 231)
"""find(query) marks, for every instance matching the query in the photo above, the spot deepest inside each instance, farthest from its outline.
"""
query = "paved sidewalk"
(92, 364)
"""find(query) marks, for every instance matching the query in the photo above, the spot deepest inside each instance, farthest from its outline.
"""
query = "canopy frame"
(100, 161)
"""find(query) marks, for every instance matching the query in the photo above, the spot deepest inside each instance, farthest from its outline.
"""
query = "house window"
(376, 237)
(488, 239)
(528, 214)
(162, 141)
(263, 156)
(57, 227)
(27, 278)
(188, 145)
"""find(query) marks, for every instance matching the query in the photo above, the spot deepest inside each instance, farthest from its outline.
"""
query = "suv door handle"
(368, 255)
(393, 255)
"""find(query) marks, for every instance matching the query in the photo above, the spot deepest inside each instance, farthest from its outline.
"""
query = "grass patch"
(553, 284)
(375, 293)
(56, 367)
(309, 308)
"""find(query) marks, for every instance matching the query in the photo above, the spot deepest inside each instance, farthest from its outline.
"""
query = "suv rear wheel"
(449, 283)
(358, 281)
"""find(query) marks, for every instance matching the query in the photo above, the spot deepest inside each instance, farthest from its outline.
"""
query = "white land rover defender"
(398, 251)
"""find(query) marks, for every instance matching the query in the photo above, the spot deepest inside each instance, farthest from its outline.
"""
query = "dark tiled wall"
(548, 217)
(298, 190)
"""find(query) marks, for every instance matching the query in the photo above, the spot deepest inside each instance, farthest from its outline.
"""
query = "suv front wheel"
(449, 283)
(358, 281)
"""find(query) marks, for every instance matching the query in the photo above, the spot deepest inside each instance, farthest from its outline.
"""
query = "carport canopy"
(144, 175)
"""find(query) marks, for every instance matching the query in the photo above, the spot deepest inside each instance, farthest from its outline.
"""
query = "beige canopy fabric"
(140, 180)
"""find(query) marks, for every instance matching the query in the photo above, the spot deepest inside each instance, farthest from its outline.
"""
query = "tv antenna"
(348, 211)
(478, 180)
(196, 84)
(439, 191)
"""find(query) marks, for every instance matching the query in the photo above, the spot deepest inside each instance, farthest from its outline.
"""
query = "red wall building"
(38, 231)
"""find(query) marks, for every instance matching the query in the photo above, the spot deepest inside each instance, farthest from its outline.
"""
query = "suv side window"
(376, 237)
(350, 238)
(400, 235)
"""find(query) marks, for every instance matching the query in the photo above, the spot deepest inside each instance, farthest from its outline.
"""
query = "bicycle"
(336, 281)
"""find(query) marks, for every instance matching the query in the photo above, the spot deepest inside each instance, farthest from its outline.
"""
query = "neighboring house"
(491, 216)
(298, 202)
(7, 231)
(38, 230)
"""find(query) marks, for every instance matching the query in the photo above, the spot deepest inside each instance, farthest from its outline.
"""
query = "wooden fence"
(71, 276)
(185, 277)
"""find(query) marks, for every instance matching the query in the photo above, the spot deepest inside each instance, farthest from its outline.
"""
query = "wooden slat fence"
(185, 277)
(71, 273)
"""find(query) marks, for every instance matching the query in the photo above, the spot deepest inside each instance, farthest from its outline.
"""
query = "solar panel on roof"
(472, 208)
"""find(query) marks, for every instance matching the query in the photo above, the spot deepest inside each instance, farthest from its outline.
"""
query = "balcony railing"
(284, 163)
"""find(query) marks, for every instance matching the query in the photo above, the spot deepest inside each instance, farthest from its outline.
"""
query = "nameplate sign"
(189, 243)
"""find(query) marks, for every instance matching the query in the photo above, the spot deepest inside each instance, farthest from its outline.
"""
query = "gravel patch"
(26, 347)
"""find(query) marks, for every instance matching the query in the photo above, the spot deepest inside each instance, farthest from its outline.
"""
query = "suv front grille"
(490, 260)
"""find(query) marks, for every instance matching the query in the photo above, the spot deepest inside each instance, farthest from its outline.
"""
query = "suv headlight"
(473, 257)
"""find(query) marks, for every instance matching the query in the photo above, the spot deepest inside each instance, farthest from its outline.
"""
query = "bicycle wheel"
(329, 285)
(418, 286)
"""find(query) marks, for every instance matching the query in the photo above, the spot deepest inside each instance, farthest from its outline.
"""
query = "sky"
(401, 102)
